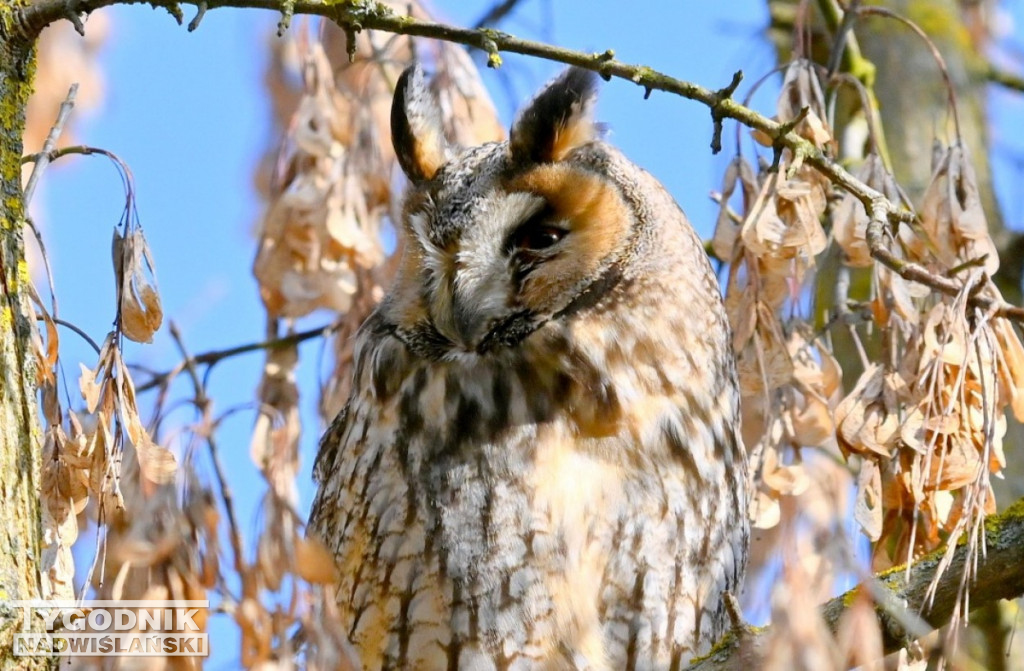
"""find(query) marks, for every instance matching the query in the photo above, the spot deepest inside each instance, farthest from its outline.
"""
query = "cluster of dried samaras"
(927, 415)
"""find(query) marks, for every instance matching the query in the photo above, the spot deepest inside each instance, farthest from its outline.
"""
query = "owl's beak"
(479, 292)
(481, 330)
(476, 309)
(470, 324)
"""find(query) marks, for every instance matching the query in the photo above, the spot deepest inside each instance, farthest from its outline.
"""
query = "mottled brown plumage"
(539, 465)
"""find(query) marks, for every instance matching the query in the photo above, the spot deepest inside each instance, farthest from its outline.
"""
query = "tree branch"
(356, 15)
(44, 156)
(902, 601)
(1010, 80)
(213, 357)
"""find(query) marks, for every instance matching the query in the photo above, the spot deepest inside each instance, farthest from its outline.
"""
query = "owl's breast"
(541, 507)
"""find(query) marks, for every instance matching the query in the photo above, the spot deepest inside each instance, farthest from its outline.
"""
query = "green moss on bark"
(20, 431)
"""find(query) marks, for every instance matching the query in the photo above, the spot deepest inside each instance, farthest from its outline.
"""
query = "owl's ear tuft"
(558, 120)
(416, 131)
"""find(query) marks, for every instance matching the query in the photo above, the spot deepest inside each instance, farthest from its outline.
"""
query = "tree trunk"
(20, 432)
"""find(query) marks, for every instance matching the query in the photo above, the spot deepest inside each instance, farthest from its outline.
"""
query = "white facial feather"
(482, 270)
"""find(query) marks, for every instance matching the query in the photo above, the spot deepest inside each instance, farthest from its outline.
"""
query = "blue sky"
(187, 112)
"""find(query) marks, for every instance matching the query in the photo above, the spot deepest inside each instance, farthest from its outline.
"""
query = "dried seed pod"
(784, 222)
(868, 420)
(802, 98)
(850, 219)
(952, 214)
(139, 311)
(738, 173)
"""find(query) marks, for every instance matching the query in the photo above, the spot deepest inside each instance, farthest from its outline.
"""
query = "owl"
(539, 465)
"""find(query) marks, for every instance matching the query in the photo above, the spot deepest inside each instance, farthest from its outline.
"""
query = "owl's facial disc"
(535, 242)
(506, 236)
(513, 236)
(474, 278)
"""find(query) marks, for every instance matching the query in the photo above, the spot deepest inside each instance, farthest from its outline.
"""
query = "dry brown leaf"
(952, 215)
(255, 624)
(956, 466)
(1010, 353)
(869, 504)
(63, 495)
(812, 423)
(801, 90)
(141, 315)
(738, 173)
(762, 138)
(323, 224)
(313, 562)
(765, 512)
(45, 352)
(774, 363)
(140, 312)
(785, 480)
(741, 307)
(908, 661)
(157, 464)
(784, 224)
(945, 336)
(764, 230)
(274, 446)
(91, 390)
(798, 639)
(895, 294)
(816, 383)
(866, 419)
(859, 637)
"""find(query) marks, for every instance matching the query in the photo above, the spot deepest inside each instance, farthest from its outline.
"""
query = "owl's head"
(504, 237)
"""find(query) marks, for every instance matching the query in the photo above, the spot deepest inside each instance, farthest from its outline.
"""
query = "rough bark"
(999, 575)
(20, 431)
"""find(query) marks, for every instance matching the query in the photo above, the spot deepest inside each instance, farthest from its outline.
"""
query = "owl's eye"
(536, 234)
(539, 237)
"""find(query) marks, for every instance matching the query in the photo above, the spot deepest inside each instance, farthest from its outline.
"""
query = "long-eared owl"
(539, 466)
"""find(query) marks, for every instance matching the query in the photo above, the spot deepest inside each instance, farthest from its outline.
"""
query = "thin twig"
(50, 143)
(85, 336)
(375, 16)
(845, 46)
(54, 154)
(37, 173)
(860, 70)
(496, 13)
(880, 212)
(369, 15)
(934, 50)
(213, 357)
(1005, 78)
(46, 265)
(202, 402)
